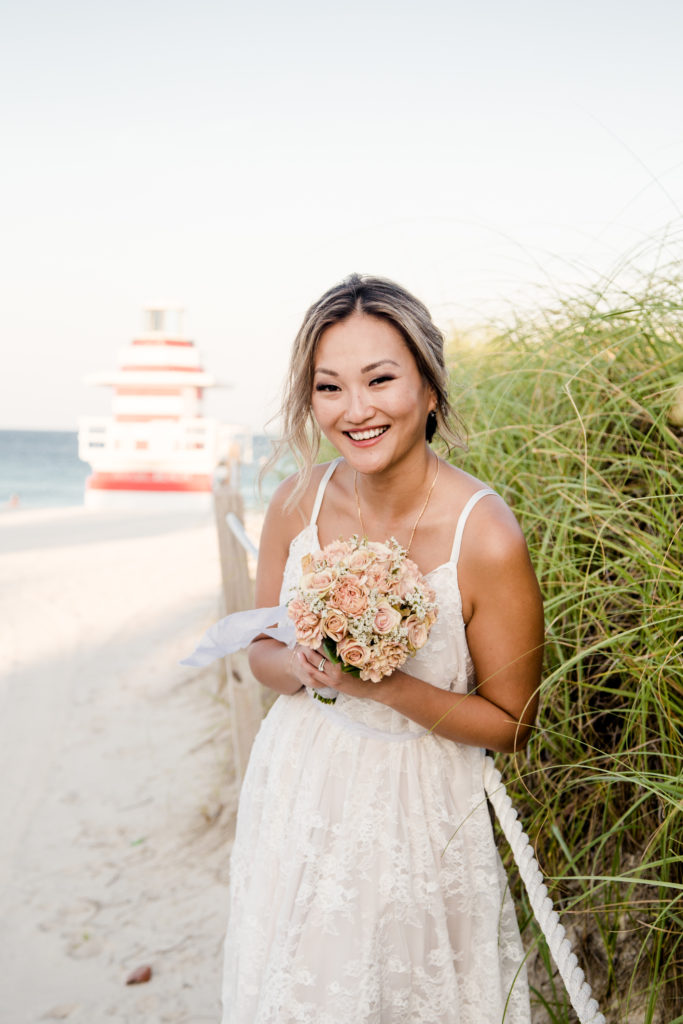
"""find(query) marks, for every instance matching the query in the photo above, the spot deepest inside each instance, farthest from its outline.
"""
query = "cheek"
(407, 402)
(315, 406)
(320, 410)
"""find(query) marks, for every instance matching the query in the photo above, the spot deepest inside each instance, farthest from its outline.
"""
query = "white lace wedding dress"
(365, 884)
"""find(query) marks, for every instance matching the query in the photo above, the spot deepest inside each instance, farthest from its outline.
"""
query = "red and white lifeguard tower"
(156, 450)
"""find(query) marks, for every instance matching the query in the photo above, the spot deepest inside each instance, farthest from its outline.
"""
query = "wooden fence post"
(244, 696)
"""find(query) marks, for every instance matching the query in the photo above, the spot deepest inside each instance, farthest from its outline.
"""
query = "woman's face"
(368, 395)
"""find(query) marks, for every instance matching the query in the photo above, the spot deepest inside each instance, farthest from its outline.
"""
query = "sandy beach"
(118, 790)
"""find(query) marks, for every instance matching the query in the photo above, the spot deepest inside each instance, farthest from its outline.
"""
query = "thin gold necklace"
(421, 513)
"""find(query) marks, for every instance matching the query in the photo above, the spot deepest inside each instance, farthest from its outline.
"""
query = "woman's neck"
(394, 494)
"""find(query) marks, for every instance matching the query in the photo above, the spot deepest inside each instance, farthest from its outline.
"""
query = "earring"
(431, 424)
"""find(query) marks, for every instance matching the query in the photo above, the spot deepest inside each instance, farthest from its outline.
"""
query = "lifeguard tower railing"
(186, 445)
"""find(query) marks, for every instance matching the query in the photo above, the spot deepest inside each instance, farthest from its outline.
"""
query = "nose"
(359, 407)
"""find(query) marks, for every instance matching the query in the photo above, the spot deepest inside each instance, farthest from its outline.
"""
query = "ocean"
(41, 469)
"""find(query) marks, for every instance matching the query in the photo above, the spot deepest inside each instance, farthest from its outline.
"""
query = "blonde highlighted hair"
(373, 296)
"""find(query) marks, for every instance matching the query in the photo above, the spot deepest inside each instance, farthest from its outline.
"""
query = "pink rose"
(334, 625)
(393, 656)
(320, 582)
(408, 580)
(360, 560)
(382, 552)
(385, 659)
(417, 632)
(353, 652)
(296, 608)
(372, 673)
(386, 618)
(336, 550)
(350, 596)
(377, 578)
(308, 629)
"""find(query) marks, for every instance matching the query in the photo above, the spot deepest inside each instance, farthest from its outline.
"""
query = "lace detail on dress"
(366, 887)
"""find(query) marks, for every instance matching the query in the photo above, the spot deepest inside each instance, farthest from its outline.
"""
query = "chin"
(369, 462)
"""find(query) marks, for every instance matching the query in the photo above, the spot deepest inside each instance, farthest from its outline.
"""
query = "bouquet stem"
(325, 700)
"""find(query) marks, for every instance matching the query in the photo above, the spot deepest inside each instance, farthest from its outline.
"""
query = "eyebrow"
(364, 369)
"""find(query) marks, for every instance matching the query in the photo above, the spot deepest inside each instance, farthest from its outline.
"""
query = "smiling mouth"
(365, 435)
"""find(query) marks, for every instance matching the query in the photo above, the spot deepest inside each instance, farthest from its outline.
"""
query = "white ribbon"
(236, 631)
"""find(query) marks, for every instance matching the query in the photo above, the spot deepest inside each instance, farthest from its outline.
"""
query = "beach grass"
(576, 417)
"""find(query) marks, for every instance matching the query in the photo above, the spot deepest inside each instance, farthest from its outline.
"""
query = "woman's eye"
(381, 380)
(326, 387)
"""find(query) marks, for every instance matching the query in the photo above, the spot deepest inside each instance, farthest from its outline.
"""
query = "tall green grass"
(571, 416)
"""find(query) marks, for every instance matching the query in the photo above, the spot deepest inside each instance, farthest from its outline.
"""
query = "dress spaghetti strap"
(321, 489)
(462, 519)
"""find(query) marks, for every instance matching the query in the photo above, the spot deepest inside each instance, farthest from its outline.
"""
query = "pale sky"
(241, 159)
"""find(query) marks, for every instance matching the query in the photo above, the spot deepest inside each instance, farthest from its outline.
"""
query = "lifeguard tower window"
(160, 318)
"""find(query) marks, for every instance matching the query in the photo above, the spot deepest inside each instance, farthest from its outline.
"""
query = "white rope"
(586, 1008)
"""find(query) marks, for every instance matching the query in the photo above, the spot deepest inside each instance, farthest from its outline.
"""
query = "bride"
(366, 887)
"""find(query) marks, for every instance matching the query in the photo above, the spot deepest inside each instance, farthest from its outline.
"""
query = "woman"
(365, 884)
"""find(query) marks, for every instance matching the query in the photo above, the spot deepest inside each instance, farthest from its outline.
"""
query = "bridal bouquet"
(365, 603)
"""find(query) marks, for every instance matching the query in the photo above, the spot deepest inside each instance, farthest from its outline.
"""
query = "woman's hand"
(314, 668)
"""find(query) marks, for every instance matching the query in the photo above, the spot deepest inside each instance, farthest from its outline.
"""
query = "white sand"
(118, 792)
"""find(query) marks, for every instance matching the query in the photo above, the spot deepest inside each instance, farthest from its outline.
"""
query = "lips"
(366, 435)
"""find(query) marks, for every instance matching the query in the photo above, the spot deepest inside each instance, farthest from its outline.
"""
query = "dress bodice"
(445, 659)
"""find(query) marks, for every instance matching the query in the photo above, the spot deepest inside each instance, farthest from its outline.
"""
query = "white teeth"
(365, 435)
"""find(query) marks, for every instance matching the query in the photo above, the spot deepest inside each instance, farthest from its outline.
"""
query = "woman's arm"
(505, 638)
(273, 663)
(504, 614)
(505, 625)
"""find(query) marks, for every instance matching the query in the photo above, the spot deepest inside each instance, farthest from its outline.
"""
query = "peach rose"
(353, 652)
(408, 580)
(393, 656)
(307, 564)
(334, 625)
(386, 659)
(350, 597)
(432, 615)
(386, 618)
(417, 632)
(377, 578)
(372, 673)
(382, 552)
(308, 629)
(361, 559)
(320, 582)
(337, 549)
(296, 608)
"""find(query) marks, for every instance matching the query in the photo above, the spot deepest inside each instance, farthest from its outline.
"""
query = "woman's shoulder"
(294, 511)
(493, 531)
(493, 560)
